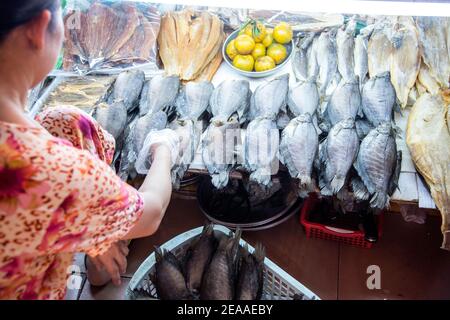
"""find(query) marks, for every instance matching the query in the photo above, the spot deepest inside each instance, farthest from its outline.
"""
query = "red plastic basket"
(321, 231)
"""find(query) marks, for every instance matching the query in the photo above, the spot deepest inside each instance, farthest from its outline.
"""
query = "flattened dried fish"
(298, 150)
(337, 156)
(300, 59)
(427, 80)
(303, 97)
(376, 163)
(345, 102)
(128, 87)
(326, 55)
(193, 99)
(112, 118)
(250, 282)
(145, 125)
(379, 50)
(345, 43)
(231, 96)
(360, 53)
(269, 98)
(311, 53)
(405, 59)
(378, 99)
(160, 92)
(428, 140)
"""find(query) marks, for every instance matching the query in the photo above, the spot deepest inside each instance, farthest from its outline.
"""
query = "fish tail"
(305, 181)
(260, 252)
(220, 180)
(261, 176)
(337, 183)
(379, 200)
(359, 189)
(159, 254)
(208, 229)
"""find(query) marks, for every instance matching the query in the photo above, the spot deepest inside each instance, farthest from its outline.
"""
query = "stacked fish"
(228, 106)
(212, 269)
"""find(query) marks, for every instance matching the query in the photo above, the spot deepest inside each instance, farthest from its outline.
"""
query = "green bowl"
(254, 74)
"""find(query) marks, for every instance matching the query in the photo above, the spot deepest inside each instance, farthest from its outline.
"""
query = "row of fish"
(211, 269)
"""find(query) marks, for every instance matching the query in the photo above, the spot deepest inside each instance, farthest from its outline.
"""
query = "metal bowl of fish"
(255, 74)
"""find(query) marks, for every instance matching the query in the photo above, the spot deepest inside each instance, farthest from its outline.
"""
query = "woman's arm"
(156, 192)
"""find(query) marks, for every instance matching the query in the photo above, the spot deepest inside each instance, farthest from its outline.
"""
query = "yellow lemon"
(264, 63)
(259, 51)
(283, 33)
(268, 40)
(244, 62)
(244, 44)
(231, 50)
(277, 52)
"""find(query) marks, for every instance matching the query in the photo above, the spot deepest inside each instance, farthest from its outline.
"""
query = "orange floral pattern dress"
(58, 196)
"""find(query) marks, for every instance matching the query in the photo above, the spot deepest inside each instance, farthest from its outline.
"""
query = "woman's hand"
(109, 266)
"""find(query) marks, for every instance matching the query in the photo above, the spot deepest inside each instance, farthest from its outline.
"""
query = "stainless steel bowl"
(254, 74)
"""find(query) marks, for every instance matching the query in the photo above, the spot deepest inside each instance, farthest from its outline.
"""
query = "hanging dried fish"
(379, 50)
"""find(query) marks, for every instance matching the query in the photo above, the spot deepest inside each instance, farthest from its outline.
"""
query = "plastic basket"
(278, 285)
(320, 231)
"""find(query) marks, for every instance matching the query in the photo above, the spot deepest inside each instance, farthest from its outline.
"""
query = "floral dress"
(58, 196)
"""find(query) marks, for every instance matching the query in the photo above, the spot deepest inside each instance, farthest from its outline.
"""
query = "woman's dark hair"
(18, 12)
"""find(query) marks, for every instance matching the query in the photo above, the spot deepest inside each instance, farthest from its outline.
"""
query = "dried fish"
(376, 163)
(193, 99)
(379, 49)
(127, 88)
(160, 92)
(145, 125)
(311, 54)
(360, 53)
(231, 96)
(303, 97)
(326, 56)
(270, 98)
(345, 44)
(378, 99)
(345, 102)
(250, 282)
(112, 118)
(300, 59)
(405, 59)
(427, 80)
(298, 150)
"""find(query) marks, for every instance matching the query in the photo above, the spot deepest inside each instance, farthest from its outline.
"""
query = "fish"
(261, 145)
(363, 128)
(219, 148)
(270, 98)
(128, 87)
(379, 49)
(198, 257)
(283, 120)
(231, 96)
(193, 99)
(326, 55)
(378, 99)
(220, 276)
(345, 45)
(145, 125)
(428, 140)
(433, 38)
(250, 282)
(376, 163)
(405, 59)
(427, 80)
(303, 97)
(345, 102)
(337, 155)
(311, 55)
(360, 54)
(168, 278)
(298, 149)
(159, 93)
(300, 59)
(112, 118)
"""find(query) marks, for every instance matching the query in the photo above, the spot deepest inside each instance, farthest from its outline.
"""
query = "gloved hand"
(154, 139)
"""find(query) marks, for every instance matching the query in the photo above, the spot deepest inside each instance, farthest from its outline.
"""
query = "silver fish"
(379, 49)
(231, 96)
(218, 149)
(161, 92)
(193, 99)
(128, 87)
(376, 163)
(303, 97)
(337, 156)
(145, 125)
(378, 99)
(298, 150)
(345, 102)
(112, 118)
(326, 55)
(269, 98)
(345, 44)
(360, 53)
(300, 58)
(311, 54)
(260, 150)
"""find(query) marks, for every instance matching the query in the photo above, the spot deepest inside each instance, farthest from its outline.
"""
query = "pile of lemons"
(258, 48)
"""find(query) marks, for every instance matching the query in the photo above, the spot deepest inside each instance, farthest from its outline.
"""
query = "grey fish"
(300, 63)
(283, 120)
(345, 44)
(363, 128)
(161, 92)
(168, 278)
(298, 150)
(219, 279)
(128, 87)
(112, 118)
(260, 150)
(198, 257)
(231, 96)
(345, 102)
(360, 53)
(303, 97)
(337, 156)
(378, 99)
(376, 163)
(379, 49)
(250, 282)
(218, 150)
(311, 55)
(270, 98)
(145, 125)
(193, 99)
(189, 132)
(326, 55)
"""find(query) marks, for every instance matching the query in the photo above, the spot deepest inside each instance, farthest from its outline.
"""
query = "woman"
(58, 194)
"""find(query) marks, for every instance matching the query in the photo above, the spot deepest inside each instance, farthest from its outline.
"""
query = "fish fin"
(393, 185)
(379, 200)
(337, 183)
(159, 254)
(359, 189)
(260, 253)
(220, 180)
(262, 176)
